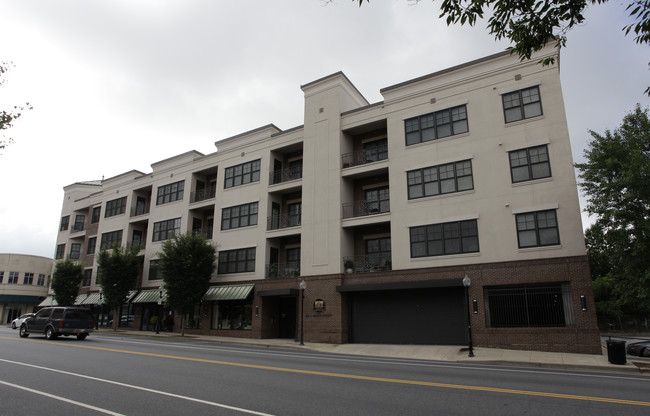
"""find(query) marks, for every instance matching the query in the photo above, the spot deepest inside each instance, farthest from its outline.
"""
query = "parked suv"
(56, 321)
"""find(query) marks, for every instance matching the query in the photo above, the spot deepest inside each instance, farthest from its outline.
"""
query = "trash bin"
(616, 353)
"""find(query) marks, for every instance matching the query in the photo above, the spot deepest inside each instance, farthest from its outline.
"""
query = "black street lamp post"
(466, 283)
(302, 286)
(160, 298)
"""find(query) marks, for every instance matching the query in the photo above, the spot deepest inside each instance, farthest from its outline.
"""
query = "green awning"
(149, 296)
(130, 296)
(20, 299)
(232, 292)
(80, 299)
(48, 301)
(92, 299)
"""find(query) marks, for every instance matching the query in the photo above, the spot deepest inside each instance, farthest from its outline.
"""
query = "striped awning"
(92, 299)
(48, 301)
(80, 299)
(232, 292)
(149, 296)
(130, 296)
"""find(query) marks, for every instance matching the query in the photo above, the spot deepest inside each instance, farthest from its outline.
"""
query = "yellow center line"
(352, 376)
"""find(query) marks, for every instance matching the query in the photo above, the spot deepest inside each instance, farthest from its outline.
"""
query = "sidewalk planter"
(616, 352)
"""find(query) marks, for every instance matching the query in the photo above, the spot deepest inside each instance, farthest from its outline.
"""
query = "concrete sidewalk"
(458, 354)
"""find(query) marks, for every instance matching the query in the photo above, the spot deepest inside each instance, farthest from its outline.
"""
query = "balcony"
(285, 175)
(364, 156)
(367, 263)
(278, 222)
(283, 270)
(203, 194)
(364, 208)
(140, 209)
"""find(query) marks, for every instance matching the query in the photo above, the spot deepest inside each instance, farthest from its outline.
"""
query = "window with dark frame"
(441, 179)
(28, 279)
(529, 306)
(164, 230)
(40, 281)
(537, 229)
(2, 276)
(458, 237)
(13, 278)
(79, 222)
(75, 251)
(522, 104)
(237, 261)
(377, 200)
(115, 207)
(92, 244)
(242, 174)
(239, 216)
(154, 270)
(438, 125)
(170, 193)
(60, 252)
(88, 274)
(529, 164)
(96, 215)
(110, 239)
(375, 150)
(65, 222)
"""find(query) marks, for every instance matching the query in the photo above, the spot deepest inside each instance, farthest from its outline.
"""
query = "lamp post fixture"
(160, 298)
(302, 286)
(466, 282)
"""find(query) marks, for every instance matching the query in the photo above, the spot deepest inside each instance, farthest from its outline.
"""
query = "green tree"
(187, 262)
(118, 270)
(615, 180)
(66, 279)
(530, 25)
(7, 118)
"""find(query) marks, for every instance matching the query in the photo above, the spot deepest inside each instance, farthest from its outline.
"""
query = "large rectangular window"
(65, 222)
(110, 239)
(441, 179)
(239, 216)
(13, 278)
(60, 252)
(88, 275)
(96, 214)
(237, 261)
(75, 251)
(233, 314)
(92, 244)
(529, 306)
(169, 193)
(536, 229)
(155, 273)
(522, 104)
(242, 174)
(529, 164)
(115, 207)
(436, 125)
(40, 281)
(79, 222)
(446, 238)
(28, 279)
(164, 230)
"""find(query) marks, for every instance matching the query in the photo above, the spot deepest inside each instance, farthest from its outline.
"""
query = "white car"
(18, 321)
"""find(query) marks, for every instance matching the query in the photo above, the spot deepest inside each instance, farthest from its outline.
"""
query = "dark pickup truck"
(56, 321)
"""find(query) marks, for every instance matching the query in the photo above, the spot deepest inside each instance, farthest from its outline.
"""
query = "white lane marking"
(63, 399)
(131, 386)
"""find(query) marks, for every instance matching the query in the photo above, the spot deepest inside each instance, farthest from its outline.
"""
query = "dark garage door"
(414, 316)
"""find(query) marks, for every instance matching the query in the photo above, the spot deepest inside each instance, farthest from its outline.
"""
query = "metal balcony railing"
(361, 157)
(367, 263)
(283, 270)
(140, 210)
(363, 208)
(203, 194)
(285, 175)
(277, 222)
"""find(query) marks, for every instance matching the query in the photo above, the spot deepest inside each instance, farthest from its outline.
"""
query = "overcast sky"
(118, 85)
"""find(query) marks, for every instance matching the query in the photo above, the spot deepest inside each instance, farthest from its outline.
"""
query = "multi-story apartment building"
(24, 281)
(381, 209)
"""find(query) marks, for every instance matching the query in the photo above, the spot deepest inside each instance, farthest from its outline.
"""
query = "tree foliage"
(66, 279)
(118, 270)
(615, 180)
(187, 262)
(7, 118)
(531, 24)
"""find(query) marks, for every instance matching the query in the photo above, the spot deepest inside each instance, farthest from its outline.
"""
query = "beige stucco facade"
(24, 281)
(307, 184)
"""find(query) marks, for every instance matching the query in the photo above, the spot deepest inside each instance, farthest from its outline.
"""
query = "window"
(60, 252)
(92, 244)
(155, 273)
(237, 261)
(446, 238)
(522, 104)
(529, 164)
(239, 216)
(88, 274)
(28, 279)
(377, 200)
(65, 221)
(75, 249)
(536, 229)
(79, 221)
(436, 125)
(96, 214)
(40, 281)
(441, 179)
(110, 239)
(242, 174)
(115, 207)
(164, 230)
(529, 306)
(170, 193)
(233, 314)
(378, 253)
(13, 278)
(374, 151)
(2, 276)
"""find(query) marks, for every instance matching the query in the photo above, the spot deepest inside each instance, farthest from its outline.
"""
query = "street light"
(466, 282)
(302, 286)
(160, 298)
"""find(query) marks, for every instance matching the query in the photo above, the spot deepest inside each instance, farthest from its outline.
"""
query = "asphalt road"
(126, 375)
